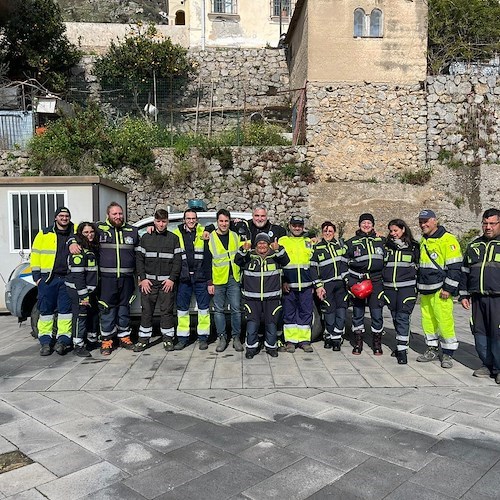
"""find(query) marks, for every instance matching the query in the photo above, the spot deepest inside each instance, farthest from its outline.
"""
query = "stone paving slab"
(198, 424)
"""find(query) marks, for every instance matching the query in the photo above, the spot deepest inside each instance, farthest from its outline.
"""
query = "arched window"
(180, 18)
(368, 25)
(376, 23)
(359, 22)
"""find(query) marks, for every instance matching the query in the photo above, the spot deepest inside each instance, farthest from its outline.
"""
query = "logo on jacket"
(129, 240)
(379, 250)
(434, 255)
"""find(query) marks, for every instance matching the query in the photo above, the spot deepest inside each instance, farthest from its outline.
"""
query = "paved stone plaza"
(200, 425)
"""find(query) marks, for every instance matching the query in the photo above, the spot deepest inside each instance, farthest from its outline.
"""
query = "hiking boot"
(431, 354)
(106, 347)
(249, 354)
(328, 343)
(272, 352)
(377, 344)
(60, 348)
(180, 345)
(290, 347)
(336, 345)
(202, 345)
(81, 352)
(168, 343)
(237, 345)
(281, 346)
(497, 378)
(483, 372)
(126, 343)
(141, 345)
(446, 361)
(45, 350)
(402, 357)
(221, 344)
(306, 347)
(358, 343)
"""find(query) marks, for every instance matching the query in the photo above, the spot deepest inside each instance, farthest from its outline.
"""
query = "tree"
(35, 44)
(139, 54)
(462, 30)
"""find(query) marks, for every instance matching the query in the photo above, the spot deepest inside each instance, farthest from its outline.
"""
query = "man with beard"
(365, 254)
(481, 287)
(117, 244)
(439, 274)
(250, 229)
(261, 224)
(49, 264)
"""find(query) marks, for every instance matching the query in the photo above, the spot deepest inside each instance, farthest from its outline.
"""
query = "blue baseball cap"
(427, 214)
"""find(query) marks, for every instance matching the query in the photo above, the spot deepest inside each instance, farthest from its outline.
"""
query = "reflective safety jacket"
(223, 258)
(159, 256)
(192, 245)
(43, 252)
(297, 272)
(328, 262)
(365, 254)
(481, 268)
(261, 275)
(82, 273)
(400, 266)
(440, 263)
(117, 249)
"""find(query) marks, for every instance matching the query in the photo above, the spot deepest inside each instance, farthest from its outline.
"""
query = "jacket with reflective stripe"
(328, 262)
(365, 253)
(261, 275)
(82, 272)
(43, 252)
(223, 258)
(400, 266)
(117, 249)
(481, 268)
(159, 256)
(192, 256)
(444, 249)
(297, 272)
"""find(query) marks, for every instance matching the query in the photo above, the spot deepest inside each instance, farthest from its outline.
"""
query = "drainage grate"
(13, 460)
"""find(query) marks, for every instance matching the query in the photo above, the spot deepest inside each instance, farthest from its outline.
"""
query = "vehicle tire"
(35, 314)
(317, 326)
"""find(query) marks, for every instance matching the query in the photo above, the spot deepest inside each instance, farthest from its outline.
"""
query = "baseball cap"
(427, 214)
(297, 219)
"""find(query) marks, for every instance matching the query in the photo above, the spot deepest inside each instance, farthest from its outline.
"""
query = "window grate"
(31, 211)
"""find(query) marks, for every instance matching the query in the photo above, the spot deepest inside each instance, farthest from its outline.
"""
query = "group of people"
(89, 273)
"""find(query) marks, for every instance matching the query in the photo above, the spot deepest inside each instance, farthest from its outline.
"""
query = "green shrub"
(415, 177)
(467, 237)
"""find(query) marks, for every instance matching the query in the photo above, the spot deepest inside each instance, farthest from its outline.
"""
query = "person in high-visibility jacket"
(81, 282)
(193, 279)
(297, 287)
(402, 254)
(438, 281)
(224, 279)
(262, 289)
(329, 271)
(49, 264)
(365, 253)
(480, 286)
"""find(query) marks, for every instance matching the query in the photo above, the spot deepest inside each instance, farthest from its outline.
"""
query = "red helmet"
(363, 289)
